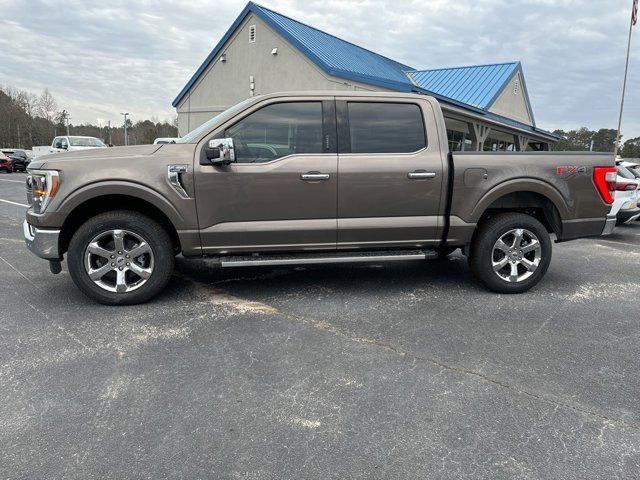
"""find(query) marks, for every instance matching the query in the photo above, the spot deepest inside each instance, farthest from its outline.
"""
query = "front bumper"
(610, 224)
(43, 242)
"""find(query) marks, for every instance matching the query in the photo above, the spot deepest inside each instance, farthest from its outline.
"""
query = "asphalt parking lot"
(401, 370)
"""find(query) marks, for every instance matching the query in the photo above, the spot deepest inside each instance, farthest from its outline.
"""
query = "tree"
(604, 140)
(580, 140)
(631, 148)
(47, 106)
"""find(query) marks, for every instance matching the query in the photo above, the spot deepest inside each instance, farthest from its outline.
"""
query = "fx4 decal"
(570, 170)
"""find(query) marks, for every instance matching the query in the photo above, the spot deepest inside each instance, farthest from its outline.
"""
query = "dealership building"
(486, 107)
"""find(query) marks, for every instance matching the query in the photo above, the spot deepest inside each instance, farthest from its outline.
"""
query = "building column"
(479, 134)
(521, 142)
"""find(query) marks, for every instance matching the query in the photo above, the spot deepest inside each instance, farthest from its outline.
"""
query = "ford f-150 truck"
(307, 178)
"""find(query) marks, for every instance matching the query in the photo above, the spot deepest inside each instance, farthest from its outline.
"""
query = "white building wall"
(512, 102)
(226, 83)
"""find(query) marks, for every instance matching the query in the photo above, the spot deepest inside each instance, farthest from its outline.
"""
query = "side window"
(386, 127)
(278, 130)
(64, 142)
(57, 143)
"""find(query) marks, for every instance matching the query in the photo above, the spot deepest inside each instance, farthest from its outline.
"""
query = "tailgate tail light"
(605, 179)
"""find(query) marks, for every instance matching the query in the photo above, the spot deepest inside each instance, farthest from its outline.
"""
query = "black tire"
(146, 228)
(482, 253)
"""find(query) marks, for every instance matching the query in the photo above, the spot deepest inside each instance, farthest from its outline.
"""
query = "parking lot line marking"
(14, 203)
(621, 243)
(7, 180)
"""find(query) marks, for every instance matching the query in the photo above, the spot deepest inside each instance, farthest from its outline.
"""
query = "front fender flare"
(123, 188)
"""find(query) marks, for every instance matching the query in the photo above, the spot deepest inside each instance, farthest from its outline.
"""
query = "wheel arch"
(81, 208)
(536, 198)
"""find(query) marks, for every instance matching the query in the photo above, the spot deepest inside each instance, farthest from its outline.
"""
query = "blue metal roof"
(333, 55)
(474, 85)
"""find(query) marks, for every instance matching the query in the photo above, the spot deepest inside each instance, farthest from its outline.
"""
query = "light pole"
(126, 139)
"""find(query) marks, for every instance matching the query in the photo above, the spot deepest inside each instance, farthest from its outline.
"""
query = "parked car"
(308, 178)
(19, 158)
(163, 140)
(72, 143)
(40, 151)
(627, 195)
(6, 164)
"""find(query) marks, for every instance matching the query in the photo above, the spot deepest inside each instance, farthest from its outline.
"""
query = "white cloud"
(101, 59)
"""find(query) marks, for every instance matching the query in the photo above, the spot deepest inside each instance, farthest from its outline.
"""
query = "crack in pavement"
(325, 326)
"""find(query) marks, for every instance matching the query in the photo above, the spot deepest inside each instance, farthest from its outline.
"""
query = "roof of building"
(472, 87)
(475, 85)
(334, 56)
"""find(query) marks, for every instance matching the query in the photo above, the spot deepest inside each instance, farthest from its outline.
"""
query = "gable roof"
(475, 88)
(475, 85)
(334, 56)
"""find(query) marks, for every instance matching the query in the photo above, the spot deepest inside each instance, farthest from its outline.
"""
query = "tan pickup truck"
(304, 178)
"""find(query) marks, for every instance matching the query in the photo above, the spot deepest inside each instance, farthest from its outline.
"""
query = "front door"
(281, 191)
(390, 179)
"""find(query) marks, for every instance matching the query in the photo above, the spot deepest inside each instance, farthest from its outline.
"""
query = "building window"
(496, 145)
(386, 127)
(458, 141)
(252, 34)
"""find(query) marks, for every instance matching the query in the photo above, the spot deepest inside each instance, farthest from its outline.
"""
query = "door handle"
(314, 177)
(420, 175)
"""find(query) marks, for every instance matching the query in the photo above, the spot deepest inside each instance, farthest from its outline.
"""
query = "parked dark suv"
(19, 158)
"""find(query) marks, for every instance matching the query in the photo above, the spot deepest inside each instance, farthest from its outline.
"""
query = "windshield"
(623, 172)
(209, 124)
(634, 171)
(85, 142)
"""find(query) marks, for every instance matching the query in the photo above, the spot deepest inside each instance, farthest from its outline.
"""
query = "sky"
(102, 58)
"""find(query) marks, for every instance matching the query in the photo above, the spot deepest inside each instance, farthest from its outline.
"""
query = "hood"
(132, 151)
(93, 154)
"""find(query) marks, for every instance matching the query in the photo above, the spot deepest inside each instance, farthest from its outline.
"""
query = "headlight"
(42, 186)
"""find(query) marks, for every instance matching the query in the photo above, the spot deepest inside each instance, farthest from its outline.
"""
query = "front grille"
(29, 190)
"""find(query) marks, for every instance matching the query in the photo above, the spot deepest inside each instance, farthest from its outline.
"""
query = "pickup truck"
(310, 178)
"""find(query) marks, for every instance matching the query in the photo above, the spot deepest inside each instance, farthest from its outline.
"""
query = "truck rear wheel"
(510, 253)
(120, 258)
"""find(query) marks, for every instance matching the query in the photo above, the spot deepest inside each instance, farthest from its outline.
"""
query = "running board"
(324, 258)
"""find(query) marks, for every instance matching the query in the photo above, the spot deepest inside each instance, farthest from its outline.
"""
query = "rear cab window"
(385, 127)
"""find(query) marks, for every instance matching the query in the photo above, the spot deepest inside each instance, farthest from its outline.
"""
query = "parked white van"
(72, 143)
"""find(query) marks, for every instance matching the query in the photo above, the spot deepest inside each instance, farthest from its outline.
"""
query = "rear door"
(281, 192)
(390, 179)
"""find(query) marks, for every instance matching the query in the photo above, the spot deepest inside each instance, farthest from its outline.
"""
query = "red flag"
(634, 13)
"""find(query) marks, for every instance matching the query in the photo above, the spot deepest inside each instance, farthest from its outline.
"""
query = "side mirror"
(220, 151)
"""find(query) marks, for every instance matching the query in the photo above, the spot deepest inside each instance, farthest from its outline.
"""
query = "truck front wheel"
(120, 258)
(510, 253)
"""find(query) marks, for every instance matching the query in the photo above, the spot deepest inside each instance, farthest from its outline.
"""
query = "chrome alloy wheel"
(118, 261)
(516, 255)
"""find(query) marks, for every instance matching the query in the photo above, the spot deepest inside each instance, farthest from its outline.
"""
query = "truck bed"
(482, 180)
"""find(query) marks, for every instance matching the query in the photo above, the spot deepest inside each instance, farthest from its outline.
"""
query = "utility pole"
(126, 139)
(68, 117)
(109, 130)
(634, 20)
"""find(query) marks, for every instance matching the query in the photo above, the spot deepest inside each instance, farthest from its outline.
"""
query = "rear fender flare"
(521, 185)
